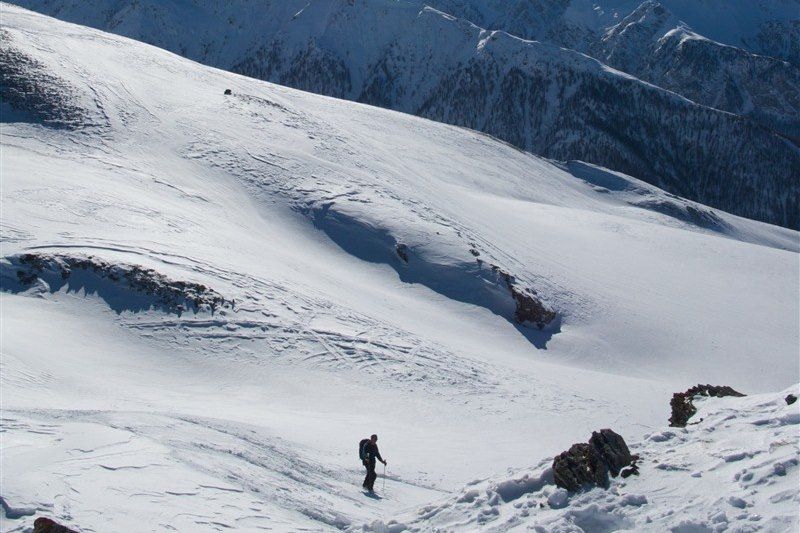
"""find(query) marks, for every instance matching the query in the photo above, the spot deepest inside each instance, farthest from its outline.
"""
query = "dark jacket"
(371, 452)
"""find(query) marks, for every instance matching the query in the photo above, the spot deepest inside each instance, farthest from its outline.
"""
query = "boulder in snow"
(612, 449)
(591, 463)
(580, 465)
(46, 525)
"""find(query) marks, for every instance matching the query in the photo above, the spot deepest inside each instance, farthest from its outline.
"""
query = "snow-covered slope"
(551, 101)
(734, 468)
(209, 299)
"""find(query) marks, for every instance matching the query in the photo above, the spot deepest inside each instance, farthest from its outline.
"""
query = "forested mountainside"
(654, 45)
(763, 27)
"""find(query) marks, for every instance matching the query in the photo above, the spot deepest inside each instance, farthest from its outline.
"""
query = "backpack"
(362, 449)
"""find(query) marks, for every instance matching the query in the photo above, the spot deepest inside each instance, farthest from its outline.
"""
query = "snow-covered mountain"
(439, 63)
(763, 27)
(209, 299)
(654, 45)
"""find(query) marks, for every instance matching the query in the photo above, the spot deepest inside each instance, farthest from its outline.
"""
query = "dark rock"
(683, 408)
(591, 463)
(402, 252)
(530, 309)
(580, 465)
(612, 449)
(173, 296)
(228, 92)
(45, 525)
(790, 399)
(528, 306)
(632, 470)
(26, 278)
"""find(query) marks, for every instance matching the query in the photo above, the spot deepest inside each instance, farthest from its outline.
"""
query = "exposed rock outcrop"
(402, 252)
(612, 449)
(46, 525)
(174, 296)
(632, 470)
(790, 399)
(683, 408)
(579, 466)
(528, 306)
(591, 463)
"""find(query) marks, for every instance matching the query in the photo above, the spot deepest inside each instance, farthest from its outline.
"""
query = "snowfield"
(476, 306)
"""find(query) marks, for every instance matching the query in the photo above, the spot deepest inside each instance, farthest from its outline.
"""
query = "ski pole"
(384, 478)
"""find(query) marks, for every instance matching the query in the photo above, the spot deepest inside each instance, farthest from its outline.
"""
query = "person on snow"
(368, 451)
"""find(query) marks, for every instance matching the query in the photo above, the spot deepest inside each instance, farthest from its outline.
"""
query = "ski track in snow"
(240, 475)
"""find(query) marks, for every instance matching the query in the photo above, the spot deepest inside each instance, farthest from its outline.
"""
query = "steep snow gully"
(209, 298)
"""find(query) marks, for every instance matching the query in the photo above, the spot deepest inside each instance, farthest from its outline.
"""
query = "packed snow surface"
(373, 261)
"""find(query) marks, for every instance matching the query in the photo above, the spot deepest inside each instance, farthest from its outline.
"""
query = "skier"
(368, 452)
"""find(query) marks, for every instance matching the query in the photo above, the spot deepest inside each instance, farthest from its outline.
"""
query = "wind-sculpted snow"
(123, 287)
(326, 162)
(461, 275)
(367, 228)
(268, 315)
(648, 197)
(557, 103)
(377, 266)
(734, 470)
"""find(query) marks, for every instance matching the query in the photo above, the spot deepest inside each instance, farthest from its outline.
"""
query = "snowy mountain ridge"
(372, 267)
(745, 24)
(557, 103)
(654, 45)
